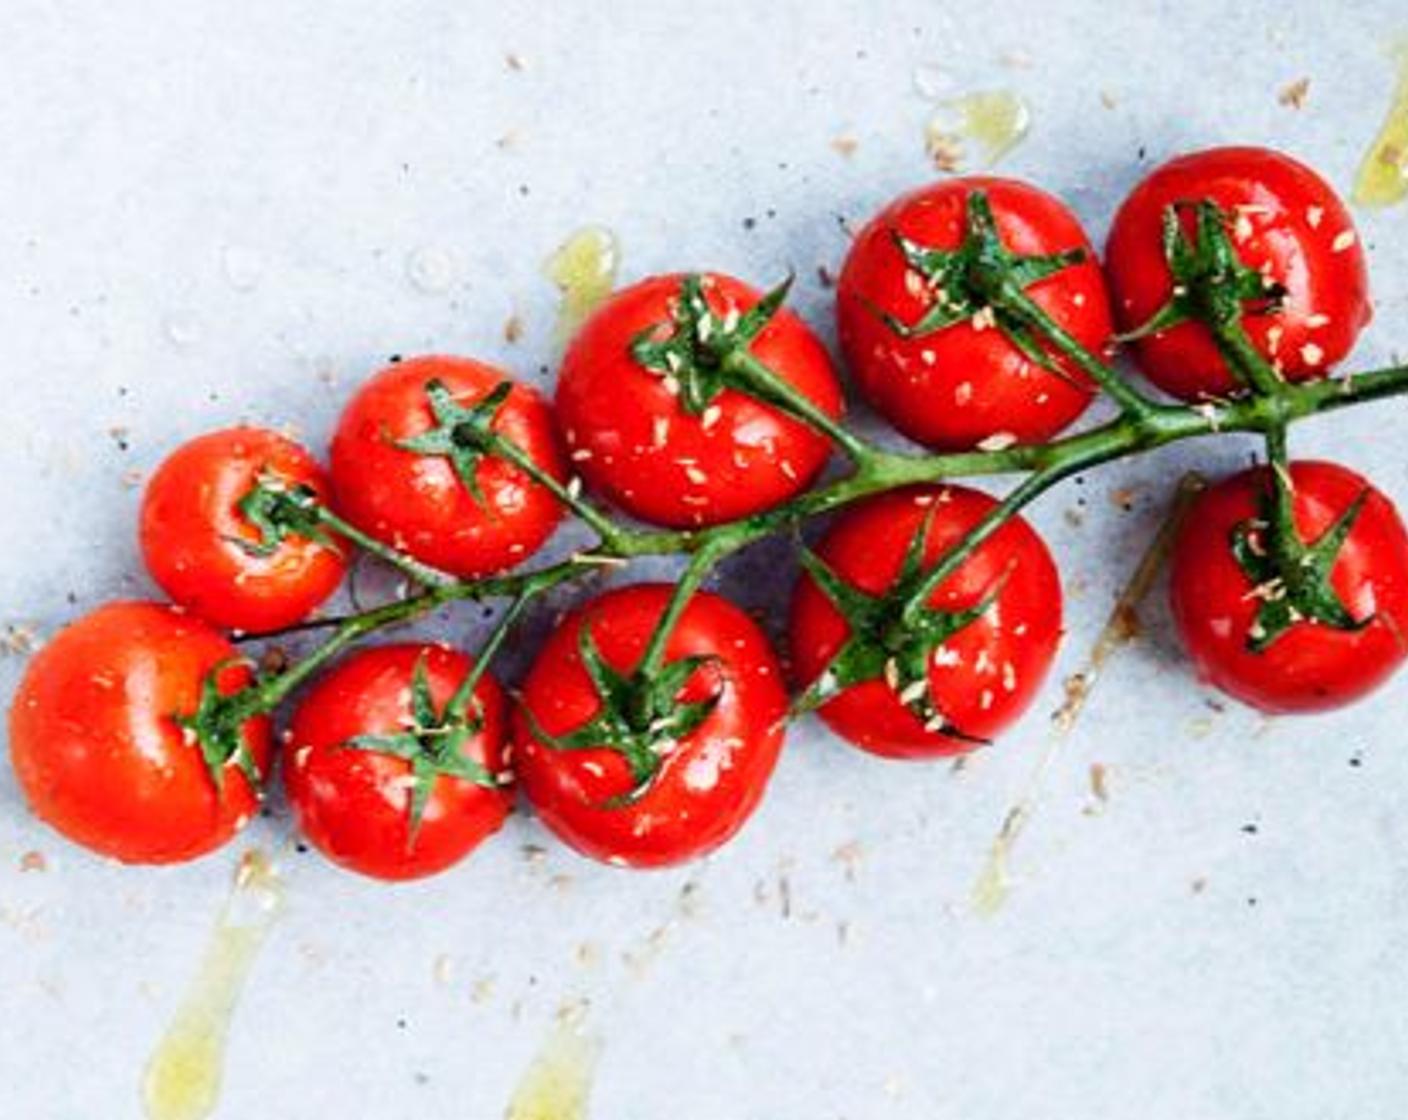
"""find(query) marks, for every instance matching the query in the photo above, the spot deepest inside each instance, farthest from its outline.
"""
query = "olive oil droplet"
(1383, 175)
(996, 121)
(182, 1080)
(584, 269)
(558, 1082)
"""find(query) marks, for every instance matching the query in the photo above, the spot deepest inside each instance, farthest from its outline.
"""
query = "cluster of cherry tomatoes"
(401, 758)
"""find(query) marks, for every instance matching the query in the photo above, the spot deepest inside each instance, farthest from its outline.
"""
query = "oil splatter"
(584, 269)
(431, 270)
(1383, 175)
(992, 121)
(558, 1082)
(183, 1075)
(994, 883)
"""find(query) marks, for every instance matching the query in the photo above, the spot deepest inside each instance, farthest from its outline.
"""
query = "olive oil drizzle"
(584, 270)
(994, 884)
(557, 1084)
(183, 1075)
(1383, 174)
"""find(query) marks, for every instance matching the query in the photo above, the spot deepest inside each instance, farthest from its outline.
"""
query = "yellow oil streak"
(995, 121)
(183, 1075)
(584, 269)
(1383, 176)
(558, 1082)
(994, 883)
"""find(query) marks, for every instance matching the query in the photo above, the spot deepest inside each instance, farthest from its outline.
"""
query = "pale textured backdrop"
(206, 211)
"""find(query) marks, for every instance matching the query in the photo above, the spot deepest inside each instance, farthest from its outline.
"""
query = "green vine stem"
(1214, 293)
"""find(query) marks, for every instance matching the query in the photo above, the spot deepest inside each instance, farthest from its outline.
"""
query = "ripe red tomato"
(960, 385)
(350, 764)
(632, 439)
(921, 699)
(1287, 224)
(1217, 605)
(418, 502)
(211, 558)
(98, 752)
(710, 778)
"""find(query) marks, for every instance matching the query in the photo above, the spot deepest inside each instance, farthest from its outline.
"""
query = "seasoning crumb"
(845, 146)
(33, 860)
(1293, 96)
(849, 855)
(443, 969)
(825, 277)
(1198, 885)
(1108, 99)
(1099, 781)
(515, 62)
(513, 329)
(19, 639)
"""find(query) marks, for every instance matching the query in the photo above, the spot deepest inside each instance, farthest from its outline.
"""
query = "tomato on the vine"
(1254, 635)
(98, 746)
(651, 423)
(406, 471)
(210, 549)
(942, 680)
(649, 771)
(392, 769)
(1300, 268)
(926, 344)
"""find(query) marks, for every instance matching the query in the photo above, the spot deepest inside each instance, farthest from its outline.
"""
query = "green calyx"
(691, 350)
(216, 728)
(279, 509)
(641, 718)
(463, 435)
(1290, 578)
(891, 640)
(982, 283)
(1211, 284)
(434, 742)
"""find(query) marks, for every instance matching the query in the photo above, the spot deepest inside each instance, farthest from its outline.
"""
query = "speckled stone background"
(207, 211)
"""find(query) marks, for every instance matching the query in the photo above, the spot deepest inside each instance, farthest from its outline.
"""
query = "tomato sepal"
(1290, 578)
(693, 355)
(463, 436)
(433, 744)
(278, 510)
(216, 727)
(889, 639)
(981, 281)
(641, 717)
(1211, 284)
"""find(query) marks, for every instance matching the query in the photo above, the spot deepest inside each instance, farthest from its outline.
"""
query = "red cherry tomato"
(632, 440)
(417, 502)
(709, 780)
(1286, 223)
(98, 752)
(210, 558)
(958, 386)
(1310, 666)
(355, 803)
(979, 679)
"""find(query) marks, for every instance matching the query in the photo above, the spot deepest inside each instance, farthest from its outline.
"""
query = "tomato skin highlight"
(632, 442)
(1310, 667)
(353, 804)
(191, 529)
(95, 748)
(957, 387)
(708, 785)
(417, 503)
(993, 667)
(1292, 224)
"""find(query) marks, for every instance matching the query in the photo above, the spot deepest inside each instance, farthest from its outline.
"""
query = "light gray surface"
(207, 208)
